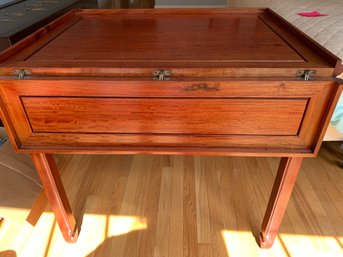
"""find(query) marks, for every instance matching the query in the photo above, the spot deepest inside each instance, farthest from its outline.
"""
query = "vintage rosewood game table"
(200, 82)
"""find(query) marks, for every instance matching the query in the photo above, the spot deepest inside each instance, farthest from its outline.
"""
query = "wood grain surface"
(83, 96)
(168, 38)
(217, 41)
(164, 116)
(266, 118)
(223, 200)
(53, 187)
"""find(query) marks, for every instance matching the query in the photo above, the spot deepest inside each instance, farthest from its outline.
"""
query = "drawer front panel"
(249, 117)
(224, 116)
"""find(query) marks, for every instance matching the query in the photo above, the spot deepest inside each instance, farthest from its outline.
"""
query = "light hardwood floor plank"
(164, 212)
(147, 244)
(186, 206)
(190, 215)
(202, 209)
(176, 218)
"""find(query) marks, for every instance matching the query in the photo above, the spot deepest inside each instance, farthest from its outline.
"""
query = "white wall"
(251, 3)
(190, 3)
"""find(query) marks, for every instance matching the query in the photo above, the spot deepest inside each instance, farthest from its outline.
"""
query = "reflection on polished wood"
(179, 206)
(73, 102)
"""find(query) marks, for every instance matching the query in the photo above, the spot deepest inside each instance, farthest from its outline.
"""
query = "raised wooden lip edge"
(253, 10)
(319, 49)
(28, 40)
(7, 54)
(176, 150)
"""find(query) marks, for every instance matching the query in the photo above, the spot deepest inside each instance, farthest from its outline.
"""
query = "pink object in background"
(312, 14)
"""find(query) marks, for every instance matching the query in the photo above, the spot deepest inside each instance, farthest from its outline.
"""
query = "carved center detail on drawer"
(207, 116)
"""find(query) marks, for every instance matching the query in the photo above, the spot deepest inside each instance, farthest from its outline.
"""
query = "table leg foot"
(51, 180)
(264, 243)
(281, 192)
(72, 236)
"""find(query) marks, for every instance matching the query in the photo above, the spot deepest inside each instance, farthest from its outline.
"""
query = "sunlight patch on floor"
(312, 246)
(243, 243)
(93, 234)
(340, 241)
(16, 234)
(94, 231)
(36, 242)
(119, 225)
(14, 214)
(45, 239)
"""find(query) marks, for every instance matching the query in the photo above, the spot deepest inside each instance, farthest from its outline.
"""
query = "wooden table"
(200, 82)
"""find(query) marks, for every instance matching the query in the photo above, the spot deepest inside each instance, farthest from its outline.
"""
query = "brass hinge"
(22, 73)
(306, 75)
(161, 75)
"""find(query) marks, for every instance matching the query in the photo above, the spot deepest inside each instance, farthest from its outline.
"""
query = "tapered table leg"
(281, 192)
(51, 180)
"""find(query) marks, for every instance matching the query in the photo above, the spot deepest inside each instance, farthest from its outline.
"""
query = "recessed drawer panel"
(164, 115)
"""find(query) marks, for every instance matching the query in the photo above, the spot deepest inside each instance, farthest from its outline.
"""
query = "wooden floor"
(173, 206)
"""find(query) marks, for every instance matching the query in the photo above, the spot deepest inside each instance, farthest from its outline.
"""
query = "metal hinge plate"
(22, 73)
(161, 75)
(306, 75)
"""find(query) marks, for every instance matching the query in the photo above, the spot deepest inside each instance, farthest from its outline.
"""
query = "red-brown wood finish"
(281, 192)
(166, 115)
(51, 180)
(232, 90)
(254, 129)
